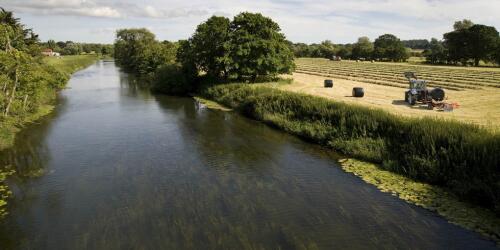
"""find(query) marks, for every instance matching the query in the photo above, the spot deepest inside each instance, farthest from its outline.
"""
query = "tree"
(139, 52)
(463, 25)
(363, 48)
(389, 47)
(482, 41)
(327, 49)
(51, 44)
(496, 55)
(257, 47)
(475, 43)
(436, 52)
(210, 45)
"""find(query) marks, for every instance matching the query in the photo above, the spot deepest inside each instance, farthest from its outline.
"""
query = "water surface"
(124, 169)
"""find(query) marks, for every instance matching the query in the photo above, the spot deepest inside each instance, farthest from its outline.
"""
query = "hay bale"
(328, 83)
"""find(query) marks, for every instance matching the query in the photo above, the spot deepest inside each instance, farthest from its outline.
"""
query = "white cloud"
(304, 21)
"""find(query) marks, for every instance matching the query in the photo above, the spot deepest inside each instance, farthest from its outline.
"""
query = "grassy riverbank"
(436, 164)
(11, 125)
(460, 157)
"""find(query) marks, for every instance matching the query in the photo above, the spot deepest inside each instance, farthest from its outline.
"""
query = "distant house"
(49, 52)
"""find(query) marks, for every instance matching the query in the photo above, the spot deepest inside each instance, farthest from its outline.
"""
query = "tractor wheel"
(412, 99)
(407, 93)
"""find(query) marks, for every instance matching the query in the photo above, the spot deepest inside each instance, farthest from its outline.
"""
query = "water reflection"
(130, 170)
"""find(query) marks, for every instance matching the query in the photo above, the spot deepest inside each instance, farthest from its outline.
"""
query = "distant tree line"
(385, 48)
(468, 43)
(250, 47)
(74, 48)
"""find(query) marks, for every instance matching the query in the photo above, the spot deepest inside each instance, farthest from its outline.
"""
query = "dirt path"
(476, 106)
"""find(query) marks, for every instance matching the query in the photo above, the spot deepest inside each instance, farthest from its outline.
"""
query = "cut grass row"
(399, 76)
(451, 79)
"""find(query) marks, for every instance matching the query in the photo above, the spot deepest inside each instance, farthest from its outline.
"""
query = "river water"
(120, 168)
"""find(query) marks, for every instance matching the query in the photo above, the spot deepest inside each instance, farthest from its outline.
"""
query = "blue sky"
(341, 21)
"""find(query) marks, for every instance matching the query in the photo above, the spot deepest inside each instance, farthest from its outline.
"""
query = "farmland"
(477, 91)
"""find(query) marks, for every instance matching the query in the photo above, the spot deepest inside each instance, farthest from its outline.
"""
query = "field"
(71, 64)
(477, 91)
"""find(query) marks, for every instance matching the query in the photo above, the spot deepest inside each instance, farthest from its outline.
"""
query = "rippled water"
(128, 170)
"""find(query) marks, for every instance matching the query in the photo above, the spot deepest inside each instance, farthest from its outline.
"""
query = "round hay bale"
(358, 92)
(328, 83)
(373, 61)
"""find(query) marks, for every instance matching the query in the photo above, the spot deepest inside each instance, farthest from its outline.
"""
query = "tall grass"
(462, 157)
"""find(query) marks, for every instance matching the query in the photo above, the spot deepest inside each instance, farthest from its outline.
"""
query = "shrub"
(173, 79)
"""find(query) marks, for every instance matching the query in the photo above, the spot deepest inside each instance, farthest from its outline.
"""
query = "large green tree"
(363, 48)
(482, 41)
(210, 46)
(137, 51)
(389, 47)
(257, 47)
(475, 43)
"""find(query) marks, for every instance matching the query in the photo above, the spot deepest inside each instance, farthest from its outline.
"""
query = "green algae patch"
(211, 104)
(5, 192)
(428, 196)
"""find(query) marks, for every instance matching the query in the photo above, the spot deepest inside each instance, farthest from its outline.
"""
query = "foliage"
(172, 79)
(72, 48)
(463, 25)
(363, 48)
(257, 48)
(209, 47)
(460, 157)
(137, 51)
(417, 44)
(389, 47)
(436, 54)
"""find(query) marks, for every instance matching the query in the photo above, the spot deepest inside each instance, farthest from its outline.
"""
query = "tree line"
(250, 48)
(386, 47)
(74, 48)
(467, 44)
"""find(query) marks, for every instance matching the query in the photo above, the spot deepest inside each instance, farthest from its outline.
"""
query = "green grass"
(71, 64)
(462, 158)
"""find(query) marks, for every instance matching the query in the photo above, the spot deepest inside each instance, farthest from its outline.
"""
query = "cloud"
(150, 11)
(63, 7)
(301, 20)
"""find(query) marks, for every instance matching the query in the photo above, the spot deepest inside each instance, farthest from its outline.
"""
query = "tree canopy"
(257, 47)
(389, 47)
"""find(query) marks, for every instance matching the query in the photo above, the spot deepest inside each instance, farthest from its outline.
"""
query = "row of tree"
(249, 47)
(385, 48)
(26, 82)
(468, 43)
(74, 48)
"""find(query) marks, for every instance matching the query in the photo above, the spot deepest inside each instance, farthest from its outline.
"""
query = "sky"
(313, 21)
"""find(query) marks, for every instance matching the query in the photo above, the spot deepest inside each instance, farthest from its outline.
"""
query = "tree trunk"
(12, 95)
(476, 62)
(25, 102)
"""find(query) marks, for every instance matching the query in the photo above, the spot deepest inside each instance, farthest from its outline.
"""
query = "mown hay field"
(476, 90)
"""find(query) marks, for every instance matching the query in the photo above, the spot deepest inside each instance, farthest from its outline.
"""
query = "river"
(120, 168)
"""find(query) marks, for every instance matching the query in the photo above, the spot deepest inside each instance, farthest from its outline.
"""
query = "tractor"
(418, 92)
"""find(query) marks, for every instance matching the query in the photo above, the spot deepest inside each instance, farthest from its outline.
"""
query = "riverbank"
(429, 151)
(10, 126)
